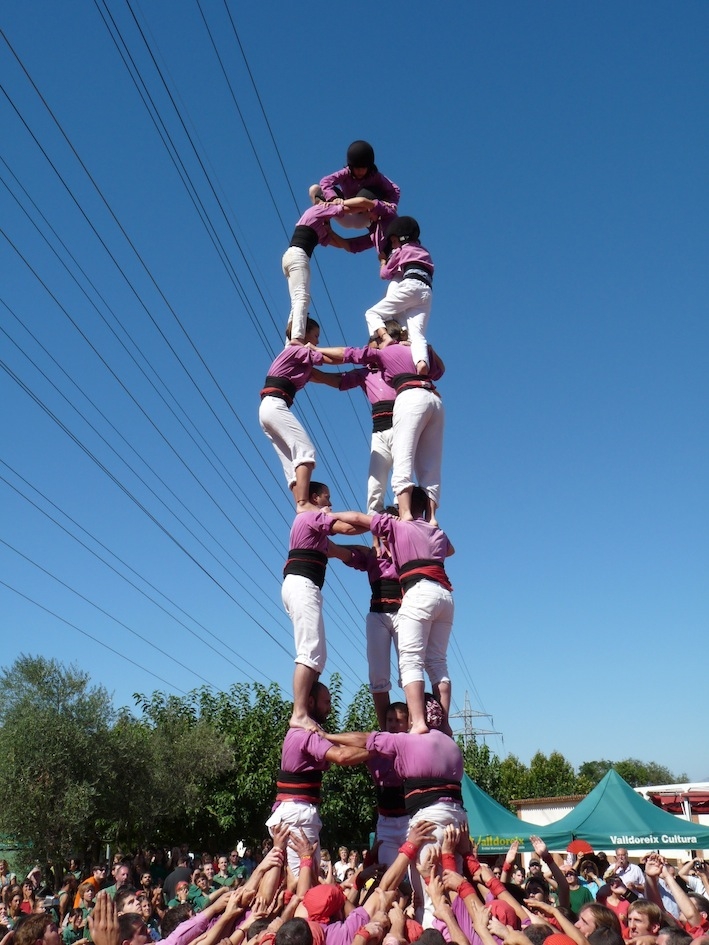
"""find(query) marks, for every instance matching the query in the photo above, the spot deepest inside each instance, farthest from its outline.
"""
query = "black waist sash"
(308, 563)
(386, 596)
(420, 569)
(279, 387)
(382, 415)
(390, 801)
(417, 271)
(402, 382)
(420, 792)
(305, 238)
(299, 786)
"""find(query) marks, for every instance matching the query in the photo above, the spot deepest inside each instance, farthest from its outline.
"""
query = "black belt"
(422, 275)
(305, 238)
(279, 387)
(382, 415)
(402, 382)
(421, 792)
(299, 785)
(307, 563)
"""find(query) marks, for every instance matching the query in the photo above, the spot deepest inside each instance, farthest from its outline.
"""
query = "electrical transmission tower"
(469, 733)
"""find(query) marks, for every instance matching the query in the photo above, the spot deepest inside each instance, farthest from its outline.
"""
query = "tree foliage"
(55, 755)
(201, 769)
(636, 773)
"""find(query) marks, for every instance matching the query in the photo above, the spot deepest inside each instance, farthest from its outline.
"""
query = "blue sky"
(555, 156)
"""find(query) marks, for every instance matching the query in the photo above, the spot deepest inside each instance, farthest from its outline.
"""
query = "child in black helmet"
(360, 173)
(409, 267)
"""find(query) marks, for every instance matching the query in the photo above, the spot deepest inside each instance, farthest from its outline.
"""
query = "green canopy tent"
(491, 825)
(614, 815)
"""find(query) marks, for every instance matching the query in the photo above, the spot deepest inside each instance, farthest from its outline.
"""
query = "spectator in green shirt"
(73, 933)
(222, 877)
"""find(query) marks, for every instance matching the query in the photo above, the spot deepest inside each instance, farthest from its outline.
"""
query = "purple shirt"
(342, 933)
(318, 219)
(406, 255)
(350, 186)
(392, 360)
(372, 383)
(188, 930)
(295, 362)
(383, 772)
(411, 541)
(433, 755)
(365, 559)
(310, 530)
(304, 751)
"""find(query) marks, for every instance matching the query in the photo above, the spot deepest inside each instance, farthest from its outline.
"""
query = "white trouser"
(424, 628)
(419, 418)
(392, 832)
(290, 441)
(296, 269)
(409, 302)
(442, 814)
(381, 458)
(381, 633)
(354, 221)
(303, 816)
(303, 603)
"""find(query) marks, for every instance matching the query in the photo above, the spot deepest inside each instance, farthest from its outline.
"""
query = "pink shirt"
(406, 255)
(372, 383)
(411, 541)
(433, 755)
(365, 559)
(304, 751)
(310, 530)
(350, 185)
(318, 219)
(296, 363)
(392, 360)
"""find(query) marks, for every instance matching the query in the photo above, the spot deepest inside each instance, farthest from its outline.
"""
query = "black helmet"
(406, 228)
(360, 154)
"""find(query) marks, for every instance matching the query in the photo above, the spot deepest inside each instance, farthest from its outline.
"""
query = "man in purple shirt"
(392, 816)
(381, 395)
(382, 619)
(303, 578)
(288, 374)
(304, 758)
(431, 767)
(409, 269)
(418, 418)
(418, 550)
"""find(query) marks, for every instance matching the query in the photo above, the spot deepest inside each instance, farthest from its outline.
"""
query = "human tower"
(411, 601)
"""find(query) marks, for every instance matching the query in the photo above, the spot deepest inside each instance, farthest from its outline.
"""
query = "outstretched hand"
(104, 921)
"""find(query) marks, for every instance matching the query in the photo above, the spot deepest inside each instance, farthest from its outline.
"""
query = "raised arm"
(562, 887)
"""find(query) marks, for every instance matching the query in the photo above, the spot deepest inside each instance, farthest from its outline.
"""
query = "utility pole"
(469, 733)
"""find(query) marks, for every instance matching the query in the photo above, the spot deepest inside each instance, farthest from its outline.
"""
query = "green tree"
(55, 756)
(482, 766)
(636, 773)
(349, 799)
(221, 752)
(551, 776)
(168, 761)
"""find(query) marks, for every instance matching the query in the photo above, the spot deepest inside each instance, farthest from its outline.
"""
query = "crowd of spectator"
(250, 895)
